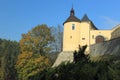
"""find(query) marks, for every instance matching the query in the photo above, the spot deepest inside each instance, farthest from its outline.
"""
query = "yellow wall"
(94, 33)
(71, 37)
(85, 34)
(82, 35)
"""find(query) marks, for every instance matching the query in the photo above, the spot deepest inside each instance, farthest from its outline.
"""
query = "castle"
(82, 32)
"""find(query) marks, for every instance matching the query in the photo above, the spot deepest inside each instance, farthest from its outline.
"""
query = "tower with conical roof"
(72, 17)
(86, 19)
(71, 33)
(77, 32)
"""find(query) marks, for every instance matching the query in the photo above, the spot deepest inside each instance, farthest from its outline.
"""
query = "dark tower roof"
(72, 17)
(85, 18)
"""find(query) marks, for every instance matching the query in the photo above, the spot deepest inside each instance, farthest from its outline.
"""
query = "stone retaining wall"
(111, 47)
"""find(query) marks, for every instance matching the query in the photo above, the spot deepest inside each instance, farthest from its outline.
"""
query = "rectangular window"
(83, 38)
(92, 36)
(73, 26)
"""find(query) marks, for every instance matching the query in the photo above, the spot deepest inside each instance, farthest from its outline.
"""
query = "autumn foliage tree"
(30, 64)
(37, 40)
(34, 45)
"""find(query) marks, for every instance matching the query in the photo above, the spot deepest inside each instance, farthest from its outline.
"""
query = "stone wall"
(111, 47)
(115, 33)
(63, 57)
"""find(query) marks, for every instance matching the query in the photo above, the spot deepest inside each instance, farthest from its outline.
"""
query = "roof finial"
(72, 5)
(72, 11)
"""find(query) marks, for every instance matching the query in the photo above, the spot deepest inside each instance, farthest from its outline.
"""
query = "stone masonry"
(63, 57)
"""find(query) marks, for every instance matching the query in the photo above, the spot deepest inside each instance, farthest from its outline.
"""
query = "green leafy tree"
(9, 52)
(83, 69)
(80, 55)
(114, 70)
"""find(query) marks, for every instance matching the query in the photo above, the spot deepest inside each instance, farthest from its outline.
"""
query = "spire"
(72, 12)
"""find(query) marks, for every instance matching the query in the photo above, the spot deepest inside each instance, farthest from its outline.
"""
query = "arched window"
(99, 39)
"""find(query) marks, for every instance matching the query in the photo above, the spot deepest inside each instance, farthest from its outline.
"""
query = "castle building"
(82, 32)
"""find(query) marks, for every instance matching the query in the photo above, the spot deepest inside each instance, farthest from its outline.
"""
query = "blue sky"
(20, 16)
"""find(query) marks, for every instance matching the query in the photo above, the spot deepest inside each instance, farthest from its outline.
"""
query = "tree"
(9, 52)
(30, 64)
(80, 55)
(37, 40)
(57, 32)
(34, 46)
(114, 70)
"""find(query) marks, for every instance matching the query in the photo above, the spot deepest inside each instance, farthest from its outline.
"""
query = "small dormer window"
(73, 26)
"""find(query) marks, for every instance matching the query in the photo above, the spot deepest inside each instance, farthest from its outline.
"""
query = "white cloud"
(109, 22)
